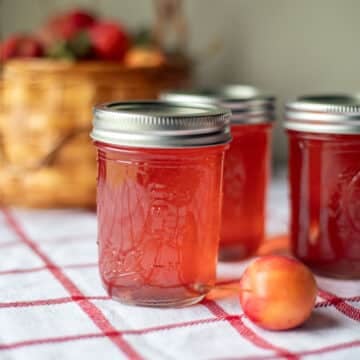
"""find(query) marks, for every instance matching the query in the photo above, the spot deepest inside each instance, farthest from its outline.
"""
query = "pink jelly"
(324, 173)
(159, 205)
(247, 164)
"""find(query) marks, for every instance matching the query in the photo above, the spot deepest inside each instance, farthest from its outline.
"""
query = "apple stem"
(233, 288)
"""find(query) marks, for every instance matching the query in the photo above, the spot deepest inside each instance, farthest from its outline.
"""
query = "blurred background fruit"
(21, 46)
(109, 41)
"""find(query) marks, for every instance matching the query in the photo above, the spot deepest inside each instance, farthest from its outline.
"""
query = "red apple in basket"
(277, 292)
(65, 26)
(23, 46)
(109, 40)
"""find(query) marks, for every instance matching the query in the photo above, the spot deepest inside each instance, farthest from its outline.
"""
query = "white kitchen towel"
(52, 305)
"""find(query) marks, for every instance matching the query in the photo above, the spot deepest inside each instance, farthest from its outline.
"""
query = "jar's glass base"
(163, 303)
(340, 269)
(156, 297)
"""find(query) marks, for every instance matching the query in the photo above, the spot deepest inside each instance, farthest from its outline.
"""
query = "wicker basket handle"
(50, 158)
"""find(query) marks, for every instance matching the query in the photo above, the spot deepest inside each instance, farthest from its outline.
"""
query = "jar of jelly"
(160, 169)
(247, 164)
(324, 174)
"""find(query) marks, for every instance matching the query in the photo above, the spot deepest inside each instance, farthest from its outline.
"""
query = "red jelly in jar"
(324, 169)
(160, 169)
(247, 164)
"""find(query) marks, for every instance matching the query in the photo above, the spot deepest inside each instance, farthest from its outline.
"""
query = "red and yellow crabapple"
(277, 292)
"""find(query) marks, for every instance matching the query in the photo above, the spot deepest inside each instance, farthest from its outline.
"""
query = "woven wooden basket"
(46, 156)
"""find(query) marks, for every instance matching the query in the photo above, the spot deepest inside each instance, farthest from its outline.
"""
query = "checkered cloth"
(52, 305)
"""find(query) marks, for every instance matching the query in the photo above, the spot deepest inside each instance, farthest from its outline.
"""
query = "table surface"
(52, 305)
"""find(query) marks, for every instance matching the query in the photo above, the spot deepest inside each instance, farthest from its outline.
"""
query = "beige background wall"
(288, 47)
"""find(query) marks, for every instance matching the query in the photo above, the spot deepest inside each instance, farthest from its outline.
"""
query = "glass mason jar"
(160, 169)
(324, 169)
(247, 164)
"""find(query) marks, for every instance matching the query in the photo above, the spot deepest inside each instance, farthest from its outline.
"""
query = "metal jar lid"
(331, 114)
(160, 124)
(248, 104)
